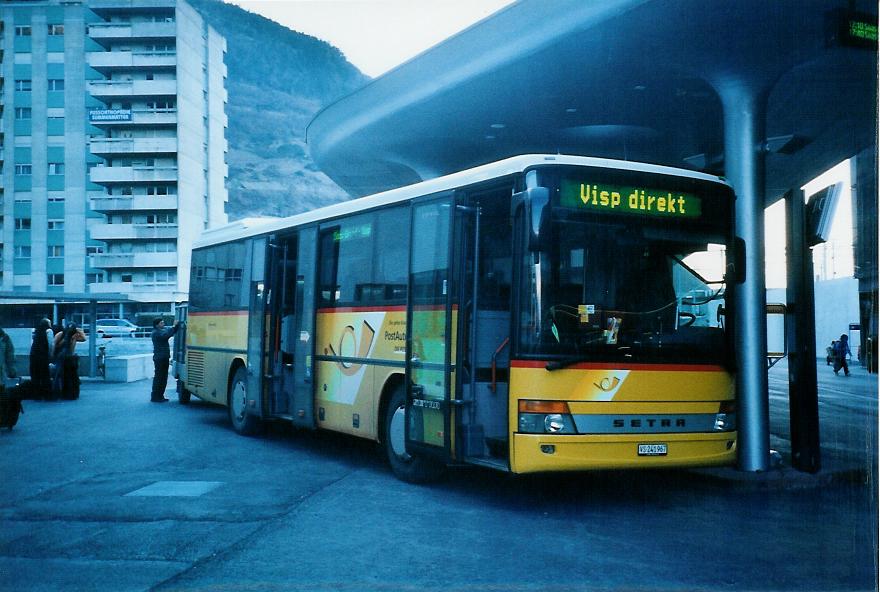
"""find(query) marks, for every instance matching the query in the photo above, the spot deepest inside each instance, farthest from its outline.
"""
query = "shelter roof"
(635, 80)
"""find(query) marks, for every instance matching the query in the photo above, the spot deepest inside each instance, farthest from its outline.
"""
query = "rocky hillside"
(278, 80)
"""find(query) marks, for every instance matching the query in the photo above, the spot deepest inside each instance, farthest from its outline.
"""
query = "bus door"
(483, 279)
(257, 358)
(282, 279)
(178, 354)
(430, 326)
(291, 305)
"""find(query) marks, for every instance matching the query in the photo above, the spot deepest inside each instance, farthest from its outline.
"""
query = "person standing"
(39, 360)
(840, 353)
(10, 403)
(66, 380)
(161, 358)
(7, 357)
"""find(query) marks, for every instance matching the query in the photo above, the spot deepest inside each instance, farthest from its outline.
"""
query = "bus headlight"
(545, 417)
(725, 419)
(725, 422)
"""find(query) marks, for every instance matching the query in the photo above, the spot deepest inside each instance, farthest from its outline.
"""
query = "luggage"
(10, 403)
(70, 381)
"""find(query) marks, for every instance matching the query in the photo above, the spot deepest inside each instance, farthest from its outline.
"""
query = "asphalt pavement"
(112, 492)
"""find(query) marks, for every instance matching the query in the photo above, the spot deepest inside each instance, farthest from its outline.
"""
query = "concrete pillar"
(744, 131)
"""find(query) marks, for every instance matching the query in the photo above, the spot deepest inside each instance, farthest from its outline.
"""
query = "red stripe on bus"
(397, 308)
(400, 308)
(215, 313)
(615, 366)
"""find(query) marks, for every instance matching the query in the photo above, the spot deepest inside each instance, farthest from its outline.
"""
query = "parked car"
(115, 328)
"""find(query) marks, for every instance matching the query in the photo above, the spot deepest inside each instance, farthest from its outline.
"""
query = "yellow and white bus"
(541, 313)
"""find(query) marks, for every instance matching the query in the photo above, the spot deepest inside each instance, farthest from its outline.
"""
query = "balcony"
(111, 288)
(128, 6)
(114, 89)
(110, 232)
(132, 146)
(128, 203)
(133, 260)
(133, 174)
(107, 61)
(129, 117)
(109, 33)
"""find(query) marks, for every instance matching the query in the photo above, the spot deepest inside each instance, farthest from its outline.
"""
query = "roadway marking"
(176, 489)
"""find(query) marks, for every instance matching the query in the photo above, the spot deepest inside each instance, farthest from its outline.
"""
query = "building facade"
(114, 132)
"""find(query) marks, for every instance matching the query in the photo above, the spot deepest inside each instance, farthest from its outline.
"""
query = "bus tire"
(183, 395)
(406, 467)
(242, 422)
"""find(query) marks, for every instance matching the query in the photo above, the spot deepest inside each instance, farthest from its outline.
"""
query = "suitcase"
(10, 403)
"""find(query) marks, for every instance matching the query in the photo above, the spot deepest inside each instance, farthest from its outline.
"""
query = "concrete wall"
(39, 58)
(201, 104)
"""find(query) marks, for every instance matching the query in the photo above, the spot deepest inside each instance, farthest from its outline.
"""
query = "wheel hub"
(397, 433)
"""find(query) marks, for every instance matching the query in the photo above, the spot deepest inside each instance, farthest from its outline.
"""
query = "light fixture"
(497, 126)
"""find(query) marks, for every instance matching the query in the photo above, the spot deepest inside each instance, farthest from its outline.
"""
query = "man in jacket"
(161, 358)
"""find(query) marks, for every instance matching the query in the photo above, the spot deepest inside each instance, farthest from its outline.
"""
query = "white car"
(115, 328)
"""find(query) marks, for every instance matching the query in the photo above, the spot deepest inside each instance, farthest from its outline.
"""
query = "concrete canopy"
(631, 79)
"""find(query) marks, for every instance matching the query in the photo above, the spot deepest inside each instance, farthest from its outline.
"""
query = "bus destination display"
(621, 199)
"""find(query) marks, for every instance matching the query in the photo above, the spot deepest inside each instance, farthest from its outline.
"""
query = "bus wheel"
(407, 467)
(183, 395)
(244, 424)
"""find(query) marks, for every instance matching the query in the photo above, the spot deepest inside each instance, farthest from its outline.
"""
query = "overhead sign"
(109, 115)
(852, 29)
(619, 199)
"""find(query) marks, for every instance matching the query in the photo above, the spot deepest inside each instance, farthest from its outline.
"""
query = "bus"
(541, 313)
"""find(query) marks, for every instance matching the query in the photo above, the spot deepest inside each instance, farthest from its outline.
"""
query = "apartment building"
(115, 123)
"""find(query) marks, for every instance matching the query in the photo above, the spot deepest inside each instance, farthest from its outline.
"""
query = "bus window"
(390, 257)
(614, 291)
(495, 250)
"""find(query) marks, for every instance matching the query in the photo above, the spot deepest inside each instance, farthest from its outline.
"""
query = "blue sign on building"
(110, 115)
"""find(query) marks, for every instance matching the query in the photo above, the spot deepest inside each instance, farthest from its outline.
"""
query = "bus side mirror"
(739, 261)
(536, 210)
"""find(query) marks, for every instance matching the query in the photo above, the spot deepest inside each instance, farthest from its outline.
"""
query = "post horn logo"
(607, 384)
(349, 339)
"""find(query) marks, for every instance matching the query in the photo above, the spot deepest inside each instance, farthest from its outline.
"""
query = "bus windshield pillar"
(744, 115)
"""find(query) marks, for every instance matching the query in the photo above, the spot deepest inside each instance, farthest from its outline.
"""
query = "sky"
(833, 259)
(376, 35)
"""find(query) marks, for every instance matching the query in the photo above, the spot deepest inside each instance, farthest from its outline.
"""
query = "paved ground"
(111, 492)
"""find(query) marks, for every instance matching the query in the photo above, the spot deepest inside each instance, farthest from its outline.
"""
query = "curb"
(781, 478)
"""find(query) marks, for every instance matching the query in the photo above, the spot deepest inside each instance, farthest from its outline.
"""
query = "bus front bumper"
(534, 453)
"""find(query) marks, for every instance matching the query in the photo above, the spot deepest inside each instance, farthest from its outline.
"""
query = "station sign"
(849, 28)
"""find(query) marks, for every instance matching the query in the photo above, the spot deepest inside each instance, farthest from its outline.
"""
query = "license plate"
(652, 449)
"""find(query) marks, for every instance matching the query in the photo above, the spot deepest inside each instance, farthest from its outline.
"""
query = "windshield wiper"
(565, 363)
(694, 273)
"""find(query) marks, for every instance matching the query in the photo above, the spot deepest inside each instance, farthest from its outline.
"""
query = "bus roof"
(257, 226)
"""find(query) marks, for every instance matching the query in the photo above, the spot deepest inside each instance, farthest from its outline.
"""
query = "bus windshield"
(624, 290)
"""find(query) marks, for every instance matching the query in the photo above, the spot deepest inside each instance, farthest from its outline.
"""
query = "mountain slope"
(277, 80)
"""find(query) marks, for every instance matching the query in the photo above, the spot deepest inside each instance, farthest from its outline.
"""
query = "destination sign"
(352, 232)
(620, 199)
